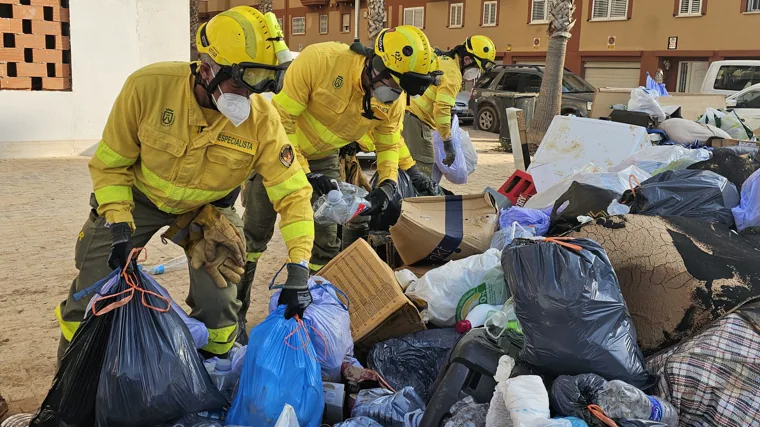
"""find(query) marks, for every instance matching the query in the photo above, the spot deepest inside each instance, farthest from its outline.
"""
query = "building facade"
(615, 42)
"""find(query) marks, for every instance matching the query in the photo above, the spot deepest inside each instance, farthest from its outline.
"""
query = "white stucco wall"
(109, 40)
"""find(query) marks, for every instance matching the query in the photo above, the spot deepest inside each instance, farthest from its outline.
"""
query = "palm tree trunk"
(265, 6)
(376, 23)
(549, 102)
(193, 29)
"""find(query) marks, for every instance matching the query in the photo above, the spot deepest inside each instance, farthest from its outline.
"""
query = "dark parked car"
(577, 94)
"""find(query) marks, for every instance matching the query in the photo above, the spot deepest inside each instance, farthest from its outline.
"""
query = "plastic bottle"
(341, 205)
(171, 265)
(224, 378)
(477, 317)
(502, 320)
(619, 399)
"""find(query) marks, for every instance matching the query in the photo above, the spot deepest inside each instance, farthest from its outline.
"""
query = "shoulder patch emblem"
(286, 155)
(338, 82)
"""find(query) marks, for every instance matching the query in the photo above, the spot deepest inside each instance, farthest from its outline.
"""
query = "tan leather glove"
(219, 233)
(221, 268)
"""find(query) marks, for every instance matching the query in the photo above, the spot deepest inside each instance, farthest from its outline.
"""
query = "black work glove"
(422, 183)
(380, 197)
(295, 292)
(451, 154)
(320, 183)
(121, 245)
(228, 200)
(350, 149)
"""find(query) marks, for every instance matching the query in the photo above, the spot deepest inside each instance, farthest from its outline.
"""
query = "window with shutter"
(690, 8)
(346, 24)
(538, 14)
(489, 13)
(610, 9)
(414, 16)
(322, 24)
(455, 15)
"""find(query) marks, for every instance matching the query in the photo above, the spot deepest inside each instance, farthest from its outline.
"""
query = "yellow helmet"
(482, 50)
(406, 54)
(248, 45)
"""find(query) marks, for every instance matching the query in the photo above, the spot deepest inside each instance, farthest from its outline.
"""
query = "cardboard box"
(692, 105)
(444, 228)
(335, 395)
(378, 308)
(720, 143)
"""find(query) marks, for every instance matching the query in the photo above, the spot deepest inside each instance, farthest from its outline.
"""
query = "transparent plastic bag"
(340, 206)
(728, 121)
(457, 172)
(655, 159)
(389, 409)
(646, 102)
(747, 214)
(470, 155)
(328, 316)
(280, 368)
(505, 236)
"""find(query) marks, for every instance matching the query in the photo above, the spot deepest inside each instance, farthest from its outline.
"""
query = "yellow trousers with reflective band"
(216, 308)
(259, 218)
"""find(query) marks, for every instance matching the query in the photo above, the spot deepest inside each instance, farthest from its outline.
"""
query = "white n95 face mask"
(471, 73)
(235, 107)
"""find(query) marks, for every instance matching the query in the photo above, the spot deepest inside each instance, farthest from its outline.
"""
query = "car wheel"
(570, 112)
(488, 120)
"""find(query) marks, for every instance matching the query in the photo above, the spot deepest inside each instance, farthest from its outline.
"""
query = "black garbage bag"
(387, 408)
(71, 399)
(404, 189)
(696, 194)
(571, 395)
(413, 360)
(152, 372)
(571, 309)
(734, 163)
(579, 200)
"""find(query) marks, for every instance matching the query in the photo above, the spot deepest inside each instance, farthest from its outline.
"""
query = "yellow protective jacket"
(321, 107)
(434, 106)
(182, 157)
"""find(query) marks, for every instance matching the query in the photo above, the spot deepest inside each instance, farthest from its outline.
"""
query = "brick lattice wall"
(34, 50)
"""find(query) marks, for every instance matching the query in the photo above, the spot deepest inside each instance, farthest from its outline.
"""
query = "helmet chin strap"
(211, 87)
(367, 100)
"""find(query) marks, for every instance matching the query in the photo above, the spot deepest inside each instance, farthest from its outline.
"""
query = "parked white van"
(730, 77)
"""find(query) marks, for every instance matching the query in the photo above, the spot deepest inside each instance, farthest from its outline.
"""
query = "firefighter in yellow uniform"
(180, 139)
(432, 110)
(333, 94)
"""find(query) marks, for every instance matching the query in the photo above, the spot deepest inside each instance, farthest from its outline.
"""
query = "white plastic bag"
(646, 102)
(527, 401)
(728, 121)
(684, 131)
(656, 158)
(457, 172)
(498, 416)
(747, 214)
(287, 418)
(616, 181)
(470, 155)
(443, 287)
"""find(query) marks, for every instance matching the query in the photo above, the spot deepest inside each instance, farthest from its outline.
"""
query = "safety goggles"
(258, 78)
(415, 83)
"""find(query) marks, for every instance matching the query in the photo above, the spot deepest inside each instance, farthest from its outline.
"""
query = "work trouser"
(259, 218)
(216, 308)
(419, 139)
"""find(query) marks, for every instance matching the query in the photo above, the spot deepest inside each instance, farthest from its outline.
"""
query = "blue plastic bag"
(747, 214)
(328, 317)
(526, 217)
(658, 88)
(457, 172)
(280, 367)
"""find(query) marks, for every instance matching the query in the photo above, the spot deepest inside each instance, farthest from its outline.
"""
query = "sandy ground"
(44, 203)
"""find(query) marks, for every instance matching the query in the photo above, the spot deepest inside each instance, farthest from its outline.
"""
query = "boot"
(244, 295)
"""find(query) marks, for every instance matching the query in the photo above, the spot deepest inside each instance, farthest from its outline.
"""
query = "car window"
(737, 77)
(509, 82)
(574, 84)
(486, 80)
(750, 99)
(531, 83)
